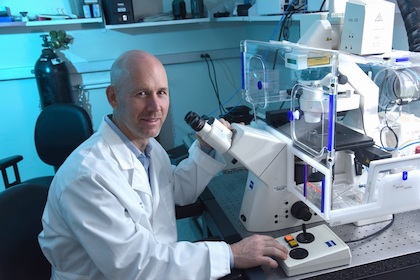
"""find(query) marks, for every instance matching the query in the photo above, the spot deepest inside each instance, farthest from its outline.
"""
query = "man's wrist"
(232, 259)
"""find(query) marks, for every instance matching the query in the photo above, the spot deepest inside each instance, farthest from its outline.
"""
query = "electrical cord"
(322, 6)
(287, 21)
(229, 99)
(221, 106)
(280, 22)
(209, 61)
(389, 129)
(215, 80)
(228, 73)
(375, 233)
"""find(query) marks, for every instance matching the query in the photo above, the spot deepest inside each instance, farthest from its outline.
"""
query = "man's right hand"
(258, 250)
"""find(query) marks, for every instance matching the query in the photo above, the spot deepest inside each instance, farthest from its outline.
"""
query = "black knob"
(342, 79)
(301, 211)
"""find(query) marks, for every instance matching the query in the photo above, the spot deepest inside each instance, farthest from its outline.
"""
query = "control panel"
(313, 249)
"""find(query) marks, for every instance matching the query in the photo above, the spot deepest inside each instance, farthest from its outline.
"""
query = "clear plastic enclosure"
(274, 72)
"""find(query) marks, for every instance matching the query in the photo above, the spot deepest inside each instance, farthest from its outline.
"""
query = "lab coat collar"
(126, 159)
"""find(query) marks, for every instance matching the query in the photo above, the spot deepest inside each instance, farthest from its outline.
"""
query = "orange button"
(288, 238)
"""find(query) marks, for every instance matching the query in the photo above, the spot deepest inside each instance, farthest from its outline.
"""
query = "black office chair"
(59, 129)
(21, 209)
(11, 162)
(410, 12)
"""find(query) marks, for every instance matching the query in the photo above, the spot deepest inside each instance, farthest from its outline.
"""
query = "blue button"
(290, 115)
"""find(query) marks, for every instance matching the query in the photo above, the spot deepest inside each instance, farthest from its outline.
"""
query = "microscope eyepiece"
(195, 121)
(212, 131)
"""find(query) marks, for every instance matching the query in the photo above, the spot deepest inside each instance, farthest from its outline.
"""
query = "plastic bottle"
(178, 9)
(197, 8)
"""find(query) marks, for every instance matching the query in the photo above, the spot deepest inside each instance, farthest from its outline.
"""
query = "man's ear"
(111, 96)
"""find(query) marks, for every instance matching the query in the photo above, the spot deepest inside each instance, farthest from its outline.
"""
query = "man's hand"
(257, 250)
(225, 123)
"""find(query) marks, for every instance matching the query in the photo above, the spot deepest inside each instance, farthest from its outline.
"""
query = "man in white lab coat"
(110, 212)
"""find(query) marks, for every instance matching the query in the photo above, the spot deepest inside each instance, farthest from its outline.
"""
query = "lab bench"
(392, 254)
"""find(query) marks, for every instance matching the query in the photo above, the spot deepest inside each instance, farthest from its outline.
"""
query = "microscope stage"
(345, 138)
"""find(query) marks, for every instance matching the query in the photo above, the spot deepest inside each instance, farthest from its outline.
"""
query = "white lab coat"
(103, 220)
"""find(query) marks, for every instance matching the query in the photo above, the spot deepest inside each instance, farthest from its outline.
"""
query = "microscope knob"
(342, 79)
(301, 211)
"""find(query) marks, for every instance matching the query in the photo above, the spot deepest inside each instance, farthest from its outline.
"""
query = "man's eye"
(141, 93)
(163, 92)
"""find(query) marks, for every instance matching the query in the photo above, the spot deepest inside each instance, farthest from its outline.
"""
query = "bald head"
(128, 63)
(139, 95)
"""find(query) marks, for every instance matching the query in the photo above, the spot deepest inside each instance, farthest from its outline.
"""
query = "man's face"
(143, 103)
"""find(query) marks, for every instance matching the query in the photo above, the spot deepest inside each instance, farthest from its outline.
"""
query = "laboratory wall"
(90, 56)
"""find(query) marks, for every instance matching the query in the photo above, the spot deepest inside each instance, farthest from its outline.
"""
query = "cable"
(375, 233)
(393, 133)
(227, 72)
(280, 22)
(322, 5)
(213, 82)
(397, 146)
(231, 109)
(389, 128)
(408, 145)
(287, 21)
(230, 98)
(285, 29)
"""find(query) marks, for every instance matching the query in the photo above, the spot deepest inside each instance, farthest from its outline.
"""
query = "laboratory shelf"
(306, 16)
(51, 22)
(12, 24)
(156, 23)
(297, 16)
(247, 18)
(64, 21)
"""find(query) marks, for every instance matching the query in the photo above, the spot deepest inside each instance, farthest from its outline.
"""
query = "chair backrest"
(59, 129)
(21, 208)
(410, 12)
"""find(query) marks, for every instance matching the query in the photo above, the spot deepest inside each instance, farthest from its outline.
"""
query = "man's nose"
(153, 102)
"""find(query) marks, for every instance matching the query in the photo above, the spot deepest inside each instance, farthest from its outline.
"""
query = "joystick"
(305, 237)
